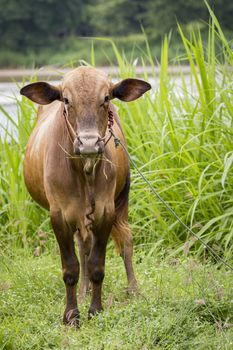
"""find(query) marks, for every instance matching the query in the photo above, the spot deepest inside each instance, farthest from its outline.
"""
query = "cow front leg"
(70, 266)
(96, 265)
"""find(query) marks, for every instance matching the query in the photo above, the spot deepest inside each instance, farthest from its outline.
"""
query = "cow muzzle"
(88, 144)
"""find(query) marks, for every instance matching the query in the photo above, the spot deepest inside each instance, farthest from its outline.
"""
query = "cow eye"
(66, 101)
(106, 99)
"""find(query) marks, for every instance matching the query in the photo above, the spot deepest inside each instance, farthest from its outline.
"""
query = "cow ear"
(130, 89)
(41, 93)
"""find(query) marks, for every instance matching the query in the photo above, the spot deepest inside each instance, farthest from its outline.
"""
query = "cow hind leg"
(122, 237)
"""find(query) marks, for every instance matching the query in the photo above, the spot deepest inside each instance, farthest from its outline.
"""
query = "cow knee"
(70, 276)
(96, 273)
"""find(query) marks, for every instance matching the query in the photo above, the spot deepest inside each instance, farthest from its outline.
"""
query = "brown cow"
(73, 169)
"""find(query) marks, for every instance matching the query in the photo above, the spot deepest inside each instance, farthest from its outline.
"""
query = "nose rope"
(110, 125)
(73, 134)
(69, 127)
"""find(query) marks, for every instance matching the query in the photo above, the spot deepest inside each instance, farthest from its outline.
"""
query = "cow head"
(86, 93)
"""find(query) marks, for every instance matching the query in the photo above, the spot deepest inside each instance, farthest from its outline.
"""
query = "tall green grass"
(179, 135)
(21, 219)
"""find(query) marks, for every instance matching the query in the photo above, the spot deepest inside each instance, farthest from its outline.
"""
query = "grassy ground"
(182, 305)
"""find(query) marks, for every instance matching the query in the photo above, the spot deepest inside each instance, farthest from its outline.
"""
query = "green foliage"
(182, 139)
(37, 31)
(70, 51)
(32, 24)
(21, 219)
(115, 17)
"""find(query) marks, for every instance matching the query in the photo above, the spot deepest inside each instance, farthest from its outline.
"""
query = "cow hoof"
(71, 318)
(94, 311)
(132, 289)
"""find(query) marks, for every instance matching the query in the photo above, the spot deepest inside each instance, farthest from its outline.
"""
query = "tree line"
(41, 23)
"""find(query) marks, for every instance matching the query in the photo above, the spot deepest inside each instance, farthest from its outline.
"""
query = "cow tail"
(121, 232)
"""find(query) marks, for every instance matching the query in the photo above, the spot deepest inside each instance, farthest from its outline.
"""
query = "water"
(9, 93)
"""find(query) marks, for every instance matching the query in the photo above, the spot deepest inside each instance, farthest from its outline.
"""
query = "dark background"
(50, 31)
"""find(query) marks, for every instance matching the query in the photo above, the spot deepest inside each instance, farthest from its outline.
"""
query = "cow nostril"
(77, 145)
(88, 145)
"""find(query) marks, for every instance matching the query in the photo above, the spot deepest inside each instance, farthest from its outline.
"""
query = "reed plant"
(21, 219)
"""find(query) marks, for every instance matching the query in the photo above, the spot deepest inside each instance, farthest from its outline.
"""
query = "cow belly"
(33, 177)
(34, 160)
(35, 186)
